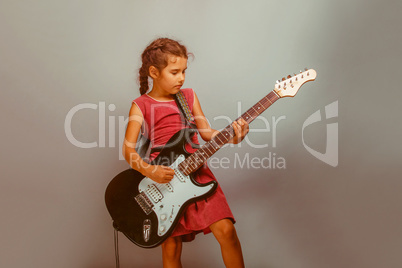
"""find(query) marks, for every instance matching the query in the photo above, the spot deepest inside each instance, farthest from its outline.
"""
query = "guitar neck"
(198, 158)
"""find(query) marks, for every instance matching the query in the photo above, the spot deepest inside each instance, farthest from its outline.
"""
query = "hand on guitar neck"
(241, 129)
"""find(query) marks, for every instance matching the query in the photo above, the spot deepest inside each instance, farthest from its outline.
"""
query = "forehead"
(176, 62)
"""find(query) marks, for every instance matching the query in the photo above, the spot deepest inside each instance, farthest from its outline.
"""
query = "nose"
(182, 77)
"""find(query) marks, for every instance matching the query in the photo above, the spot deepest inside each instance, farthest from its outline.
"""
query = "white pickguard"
(168, 198)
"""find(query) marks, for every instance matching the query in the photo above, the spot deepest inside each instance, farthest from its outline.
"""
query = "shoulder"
(140, 99)
(141, 102)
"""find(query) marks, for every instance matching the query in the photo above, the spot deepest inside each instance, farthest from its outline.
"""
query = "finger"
(244, 126)
(170, 174)
(245, 123)
(235, 128)
(168, 169)
(166, 180)
(239, 126)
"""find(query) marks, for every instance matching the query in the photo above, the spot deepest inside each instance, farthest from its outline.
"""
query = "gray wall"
(58, 54)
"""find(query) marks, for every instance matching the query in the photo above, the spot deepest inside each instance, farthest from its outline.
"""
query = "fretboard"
(199, 157)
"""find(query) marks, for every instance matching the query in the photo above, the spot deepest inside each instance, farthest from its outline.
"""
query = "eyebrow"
(178, 69)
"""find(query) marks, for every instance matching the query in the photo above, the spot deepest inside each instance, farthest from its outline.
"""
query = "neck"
(160, 95)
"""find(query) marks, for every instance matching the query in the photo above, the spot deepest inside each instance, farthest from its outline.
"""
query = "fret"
(268, 100)
(199, 157)
(228, 135)
(210, 148)
(261, 105)
(206, 147)
(183, 167)
(222, 137)
(186, 163)
(189, 165)
(217, 137)
(216, 146)
(251, 116)
(247, 117)
(194, 161)
(254, 109)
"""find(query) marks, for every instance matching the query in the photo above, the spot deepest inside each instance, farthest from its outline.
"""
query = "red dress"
(162, 120)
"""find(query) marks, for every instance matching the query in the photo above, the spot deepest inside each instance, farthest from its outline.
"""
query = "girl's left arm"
(240, 126)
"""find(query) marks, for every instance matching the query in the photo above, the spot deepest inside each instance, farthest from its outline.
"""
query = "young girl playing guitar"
(165, 61)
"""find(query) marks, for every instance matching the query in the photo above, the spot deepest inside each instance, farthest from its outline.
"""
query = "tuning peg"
(289, 76)
(301, 71)
(283, 78)
(305, 69)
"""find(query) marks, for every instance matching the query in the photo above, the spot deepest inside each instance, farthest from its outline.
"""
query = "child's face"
(171, 78)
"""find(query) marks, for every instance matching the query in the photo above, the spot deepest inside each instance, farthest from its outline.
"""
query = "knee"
(225, 232)
(171, 248)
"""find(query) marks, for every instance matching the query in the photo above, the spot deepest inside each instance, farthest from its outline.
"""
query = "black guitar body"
(130, 218)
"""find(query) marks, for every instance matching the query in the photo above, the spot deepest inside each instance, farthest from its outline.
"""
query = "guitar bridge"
(144, 202)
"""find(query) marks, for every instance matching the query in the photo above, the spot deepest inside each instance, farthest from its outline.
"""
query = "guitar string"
(252, 113)
(192, 163)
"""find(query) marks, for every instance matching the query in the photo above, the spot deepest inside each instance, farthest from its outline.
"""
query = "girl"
(165, 61)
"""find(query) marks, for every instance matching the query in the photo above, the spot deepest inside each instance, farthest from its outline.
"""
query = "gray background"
(57, 54)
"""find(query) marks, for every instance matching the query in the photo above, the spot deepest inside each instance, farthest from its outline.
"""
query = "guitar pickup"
(154, 193)
(169, 187)
(179, 175)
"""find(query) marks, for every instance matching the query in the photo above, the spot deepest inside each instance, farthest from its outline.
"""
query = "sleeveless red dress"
(162, 120)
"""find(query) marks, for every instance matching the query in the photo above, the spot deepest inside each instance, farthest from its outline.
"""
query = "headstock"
(289, 86)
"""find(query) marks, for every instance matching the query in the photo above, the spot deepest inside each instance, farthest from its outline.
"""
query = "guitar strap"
(182, 104)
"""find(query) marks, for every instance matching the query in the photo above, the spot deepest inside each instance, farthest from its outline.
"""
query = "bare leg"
(225, 232)
(171, 252)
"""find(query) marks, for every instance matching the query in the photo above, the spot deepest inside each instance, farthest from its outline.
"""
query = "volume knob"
(163, 217)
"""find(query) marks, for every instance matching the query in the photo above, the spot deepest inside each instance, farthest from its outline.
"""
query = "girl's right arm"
(160, 174)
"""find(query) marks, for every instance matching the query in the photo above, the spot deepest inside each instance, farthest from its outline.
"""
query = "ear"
(153, 72)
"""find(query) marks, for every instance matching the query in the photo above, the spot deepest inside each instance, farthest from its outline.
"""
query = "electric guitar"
(145, 211)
